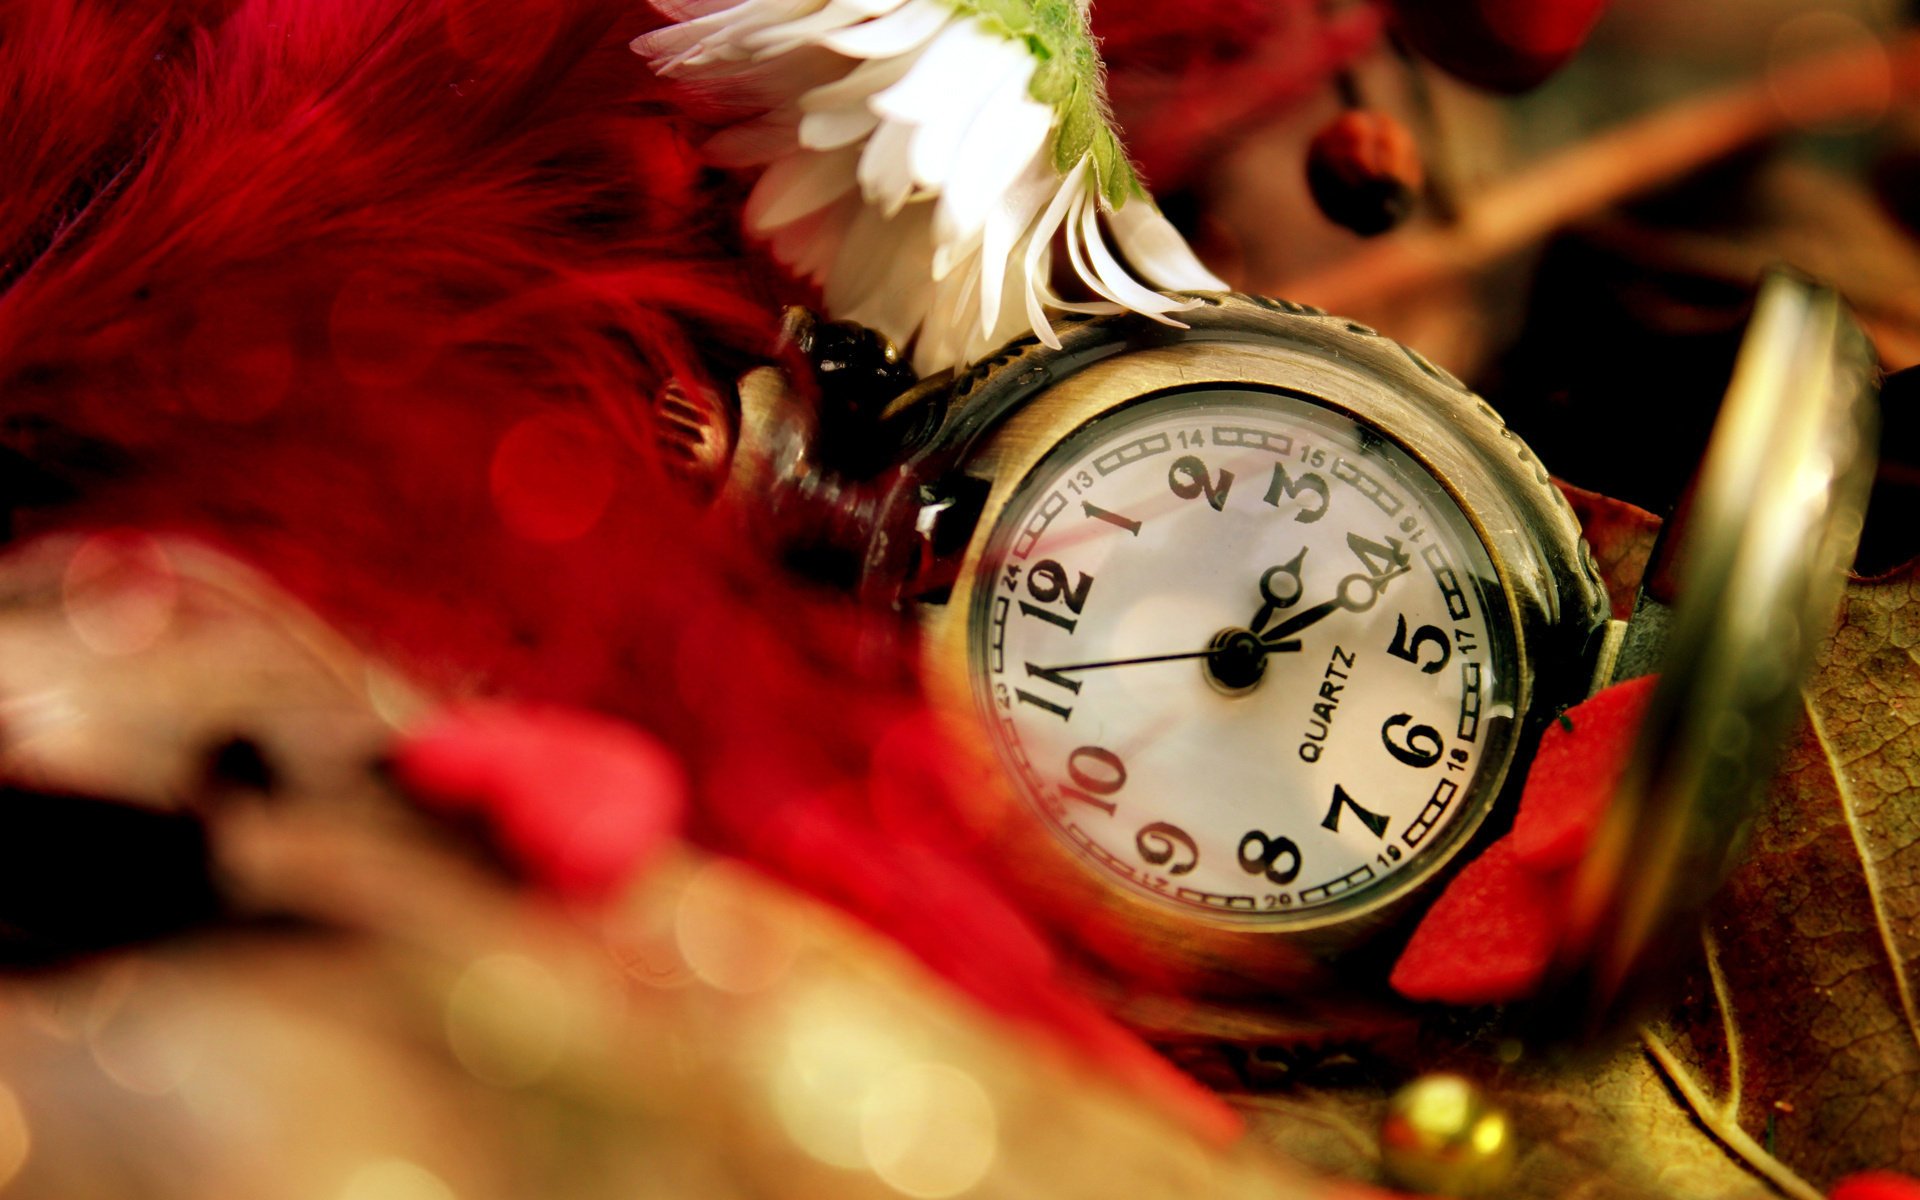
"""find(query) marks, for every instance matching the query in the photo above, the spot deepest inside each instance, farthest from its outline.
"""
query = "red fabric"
(1492, 934)
(1876, 1185)
(577, 802)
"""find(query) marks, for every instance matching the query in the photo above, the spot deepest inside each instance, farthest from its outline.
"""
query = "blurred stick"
(1851, 84)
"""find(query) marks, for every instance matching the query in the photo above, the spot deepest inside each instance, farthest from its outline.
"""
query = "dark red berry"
(1499, 45)
(1364, 171)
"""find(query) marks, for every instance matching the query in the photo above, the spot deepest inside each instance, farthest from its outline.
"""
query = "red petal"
(1876, 1185)
(1488, 938)
(1574, 774)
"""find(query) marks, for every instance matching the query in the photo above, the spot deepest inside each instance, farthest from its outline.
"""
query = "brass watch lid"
(1758, 556)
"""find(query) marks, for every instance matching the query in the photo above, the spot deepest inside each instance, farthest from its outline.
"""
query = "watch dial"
(1245, 654)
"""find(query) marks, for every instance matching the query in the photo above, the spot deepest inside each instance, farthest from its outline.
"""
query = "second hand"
(1269, 647)
(1294, 624)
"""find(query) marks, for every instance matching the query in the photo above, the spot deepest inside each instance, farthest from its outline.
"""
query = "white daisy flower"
(921, 158)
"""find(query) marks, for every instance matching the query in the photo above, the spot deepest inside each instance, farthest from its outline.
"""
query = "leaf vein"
(1730, 1029)
(1727, 1132)
(1867, 871)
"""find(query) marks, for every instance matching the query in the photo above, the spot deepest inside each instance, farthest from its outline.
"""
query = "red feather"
(344, 249)
(376, 293)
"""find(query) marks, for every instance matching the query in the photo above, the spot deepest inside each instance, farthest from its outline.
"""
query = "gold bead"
(1442, 1134)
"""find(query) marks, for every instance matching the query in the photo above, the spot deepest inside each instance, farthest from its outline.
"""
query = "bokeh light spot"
(119, 591)
(508, 1020)
(837, 1053)
(16, 1140)
(141, 1028)
(1869, 90)
(552, 477)
(726, 934)
(395, 1179)
(929, 1130)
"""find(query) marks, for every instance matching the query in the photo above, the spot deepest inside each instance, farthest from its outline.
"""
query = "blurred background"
(257, 947)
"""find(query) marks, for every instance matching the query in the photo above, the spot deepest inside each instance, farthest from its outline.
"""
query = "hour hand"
(1356, 593)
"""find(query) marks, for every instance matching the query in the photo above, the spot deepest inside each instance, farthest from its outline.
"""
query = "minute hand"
(1356, 593)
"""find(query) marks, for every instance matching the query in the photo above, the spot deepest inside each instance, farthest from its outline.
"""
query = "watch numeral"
(1376, 823)
(1054, 677)
(1058, 680)
(1291, 488)
(1047, 583)
(1112, 518)
(1378, 559)
(1097, 772)
(1049, 616)
(1426, 635)
(1159, 844)
(1058, 710)
(1189, 479)
(1422, 746)
(1259, 853)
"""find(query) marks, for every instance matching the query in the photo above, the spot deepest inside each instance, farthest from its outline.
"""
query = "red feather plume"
(376, 293)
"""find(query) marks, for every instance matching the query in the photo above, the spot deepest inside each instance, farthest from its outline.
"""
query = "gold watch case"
(992, 427)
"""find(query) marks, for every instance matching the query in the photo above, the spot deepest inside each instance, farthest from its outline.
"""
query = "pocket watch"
(1259, 617)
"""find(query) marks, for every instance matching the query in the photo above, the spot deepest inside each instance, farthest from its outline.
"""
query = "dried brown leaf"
(1621, 535)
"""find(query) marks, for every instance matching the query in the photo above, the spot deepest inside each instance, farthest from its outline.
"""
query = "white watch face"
(1245, 655)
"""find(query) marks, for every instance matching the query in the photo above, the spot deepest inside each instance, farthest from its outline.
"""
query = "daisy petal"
(1001, 145)
(832, 128)
(800, 184)
(885, 175)
(1157, 251)
(906, 168)
(858, 85)
(1110, 279)
(1038, 241)
(753, 144)
(896, 33)
(687, 10)
(1012, 211)
(810, 245)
